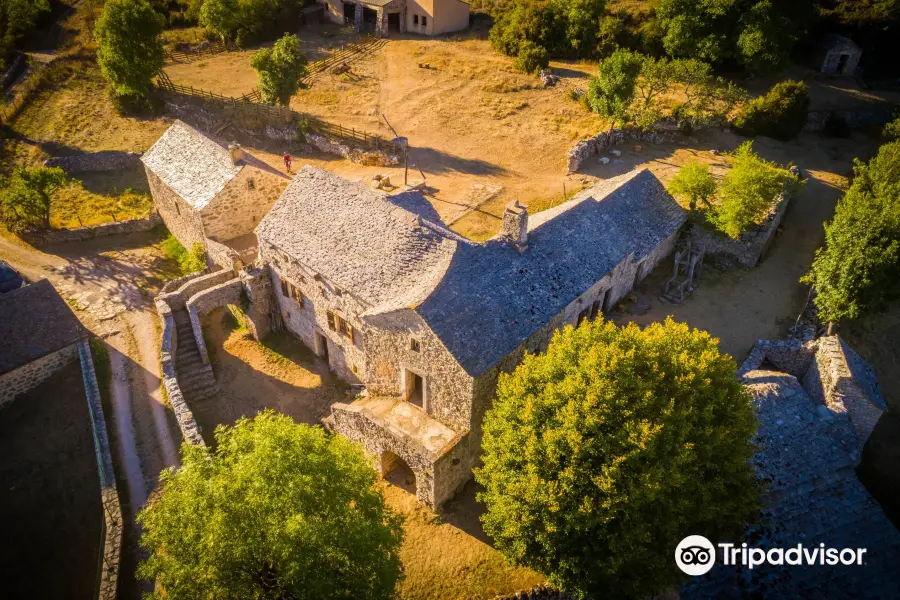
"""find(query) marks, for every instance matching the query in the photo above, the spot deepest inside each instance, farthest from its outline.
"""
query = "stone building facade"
(426, 320)
(838, 55)
(383, 17)
(205, 189)
(40, 335)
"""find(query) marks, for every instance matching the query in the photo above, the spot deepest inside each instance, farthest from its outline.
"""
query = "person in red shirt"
(287, 162)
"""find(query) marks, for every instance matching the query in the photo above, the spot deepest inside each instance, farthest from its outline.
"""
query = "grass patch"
(188, 261)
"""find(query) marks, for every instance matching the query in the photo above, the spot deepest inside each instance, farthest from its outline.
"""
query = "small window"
(415, 345)
(424, 21)
(251, 185)
(330, 318)
(288, 290)
(285, 291)
(415, 19)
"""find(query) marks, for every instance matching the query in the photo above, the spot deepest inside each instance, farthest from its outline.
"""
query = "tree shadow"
(464, 512)
(432, 160)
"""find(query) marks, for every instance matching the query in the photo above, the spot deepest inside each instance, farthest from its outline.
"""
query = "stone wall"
(726, 253)
(180, 217)
(591, 147)
(78, 234)
(365, 156)
(222, 256)
(242, 203)
(857, 118)
(176, 293)
(19, 381)
(190, 430)
(109, 496)
(230, 292)
(106, 160)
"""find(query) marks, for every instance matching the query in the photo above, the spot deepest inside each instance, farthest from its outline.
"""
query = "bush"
(277, 510)
(603, 453)
(188, 262)
(694, 182)
(280, 70)
(780, 114)
(532, 58)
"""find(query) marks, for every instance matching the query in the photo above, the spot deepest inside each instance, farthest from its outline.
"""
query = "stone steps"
(196, 379)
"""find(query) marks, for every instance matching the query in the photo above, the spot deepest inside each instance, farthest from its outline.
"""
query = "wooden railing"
(347, 53)
(181, 56)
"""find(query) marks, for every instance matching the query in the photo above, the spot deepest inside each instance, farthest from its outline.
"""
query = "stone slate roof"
(492, 298)
(834, 40)
(381, 253)
(34, 321)
(193, 165)
(805, 456)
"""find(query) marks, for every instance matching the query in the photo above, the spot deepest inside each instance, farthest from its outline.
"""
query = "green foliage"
(708, 99)
(129, 49)
(280, 69)
(25, 196)
(278, 510)
(694, 182)
(611, 91)
(532, 58)
(858, 269)
(758, 34)
(892, 130)
(221, 16)
(188, 262)
(780, 114)
(609, 34)
(603, 453)
(748, 191)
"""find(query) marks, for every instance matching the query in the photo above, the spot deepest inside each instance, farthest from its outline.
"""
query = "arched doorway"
(396, 472)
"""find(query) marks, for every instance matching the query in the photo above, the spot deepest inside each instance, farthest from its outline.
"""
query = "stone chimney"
(515, 225)
(237, 154)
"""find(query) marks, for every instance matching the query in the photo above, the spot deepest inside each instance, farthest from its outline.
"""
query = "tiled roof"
(814, 497)
(34, 321)
(193, 165)
(381, 253)
(492, 298)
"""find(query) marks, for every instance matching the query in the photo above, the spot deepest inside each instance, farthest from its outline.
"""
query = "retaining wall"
(106, 160)
(78, 234)
(370, 157)
(591, 147)
(221, 255)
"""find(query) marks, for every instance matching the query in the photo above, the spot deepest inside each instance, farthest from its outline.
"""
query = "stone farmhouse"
(210, 193)
(382, 17)
(40, 335)
(817, 405)
(426, 319)
(838, 55)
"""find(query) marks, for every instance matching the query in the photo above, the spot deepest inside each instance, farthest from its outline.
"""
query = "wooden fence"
(346, 53)
(181, 56)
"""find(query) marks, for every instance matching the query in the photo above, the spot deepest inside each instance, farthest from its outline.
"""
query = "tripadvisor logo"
(695, 555)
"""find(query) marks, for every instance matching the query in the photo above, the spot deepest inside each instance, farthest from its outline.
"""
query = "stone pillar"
(515, 225)
(258, 287)
(403, 16)
(358, 19)
(381, 23)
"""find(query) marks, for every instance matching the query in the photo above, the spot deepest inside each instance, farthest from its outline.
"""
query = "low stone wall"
(177, 297)
(106, 160)
(858, 118)
(19, 381)
(223, 256)
(78, 234)
(109, 496)
(591, 147)
(202, 302)
(369, 157)
(726, 253)
(190, 430)
(15, 69)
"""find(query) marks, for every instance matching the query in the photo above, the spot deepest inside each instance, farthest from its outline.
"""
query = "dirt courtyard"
(50, 511)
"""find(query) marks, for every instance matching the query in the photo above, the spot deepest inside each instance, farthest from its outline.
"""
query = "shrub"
(748, 191)
(603, 453)
(780, 114)
(694, 182)
(277, 510)
(611, 91)
(25, 196)
(892, 130)
(188, 262)
(858, 269)
(280, 70)
(532, 58)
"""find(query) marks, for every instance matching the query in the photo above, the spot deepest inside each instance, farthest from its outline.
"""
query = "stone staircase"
(196, 380)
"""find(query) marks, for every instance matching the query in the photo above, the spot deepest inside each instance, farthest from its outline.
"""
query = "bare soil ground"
(50, 511)
(442, 559)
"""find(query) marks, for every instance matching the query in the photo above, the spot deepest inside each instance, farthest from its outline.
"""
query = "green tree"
(694, 182)
(532, 58)
(277, 510)
(858, 269)
(892, 130)
(221, 16)
(603, 453)
(17, 18)
(611, 91)
(748, 191)
(280, 70)
(707, 99)
(129, 49)
(26, 195)
(780, 114)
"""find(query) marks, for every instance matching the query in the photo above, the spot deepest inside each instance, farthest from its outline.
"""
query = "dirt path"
(120, 391)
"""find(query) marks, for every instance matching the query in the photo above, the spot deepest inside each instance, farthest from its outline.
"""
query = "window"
(337, 324)
(415, 345)
(424, 21)
(289, 291)
(415, 19)
(251, 185)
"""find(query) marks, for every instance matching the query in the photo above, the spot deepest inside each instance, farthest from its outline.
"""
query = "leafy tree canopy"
(129, 48)
(694, 182)
(780, 114)
(858, 269)
(280, 69)
(221, 16)
(17, 18)
(26, 195)
(748, 191)
(605, 452)
(277, 510)
(611, 91)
